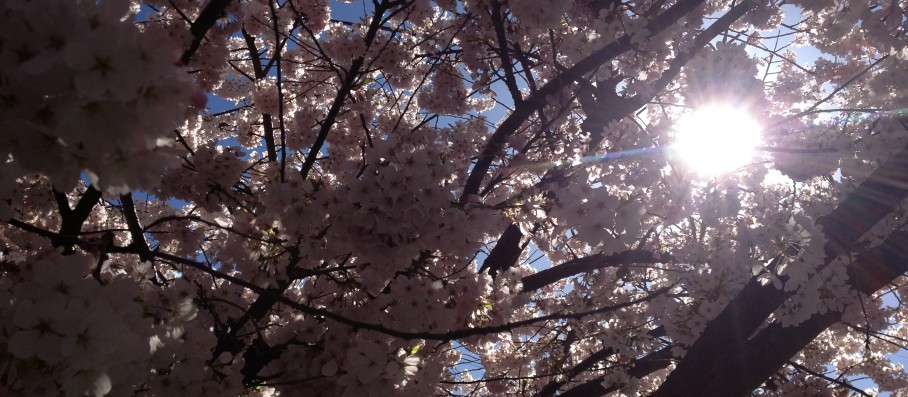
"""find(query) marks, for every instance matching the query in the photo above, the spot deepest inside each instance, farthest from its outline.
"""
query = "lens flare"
(716, 139)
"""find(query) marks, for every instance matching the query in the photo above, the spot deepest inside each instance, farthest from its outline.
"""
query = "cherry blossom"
(479, 197)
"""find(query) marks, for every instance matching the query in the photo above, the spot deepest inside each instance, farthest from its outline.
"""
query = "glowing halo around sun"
(716, 139)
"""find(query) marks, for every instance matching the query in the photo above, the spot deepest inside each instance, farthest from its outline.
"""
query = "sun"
(716, 139)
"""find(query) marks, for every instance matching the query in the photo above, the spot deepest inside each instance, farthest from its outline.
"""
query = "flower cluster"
(97, 108)
(723, 75)
(71, 333)
(444, 197)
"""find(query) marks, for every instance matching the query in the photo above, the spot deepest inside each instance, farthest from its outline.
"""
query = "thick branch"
(588, 264)
(206, 20)
(72, 219)
(757, 359)
(863, 208)
(723, 340)
(506, 252)
(268, 126)
(136, 232)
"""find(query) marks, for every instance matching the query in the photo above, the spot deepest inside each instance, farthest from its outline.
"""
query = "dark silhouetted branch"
(206, 20)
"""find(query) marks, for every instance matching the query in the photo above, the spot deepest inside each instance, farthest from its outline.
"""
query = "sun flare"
(716, 139)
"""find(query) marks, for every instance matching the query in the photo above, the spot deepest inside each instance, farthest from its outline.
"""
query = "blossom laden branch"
(840, 382)
(538, 99)
(349, 80)
(356, 324)
(272, 295)
(592, 360)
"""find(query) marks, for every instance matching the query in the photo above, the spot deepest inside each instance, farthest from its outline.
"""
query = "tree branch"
(588, 264)
(811, 372)
(639, 368)
(313, 311)
(136, 232)
(506, 64)
(506, 252)
(553, 386)
(206, 20)
(72, 219)
(875, 198)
